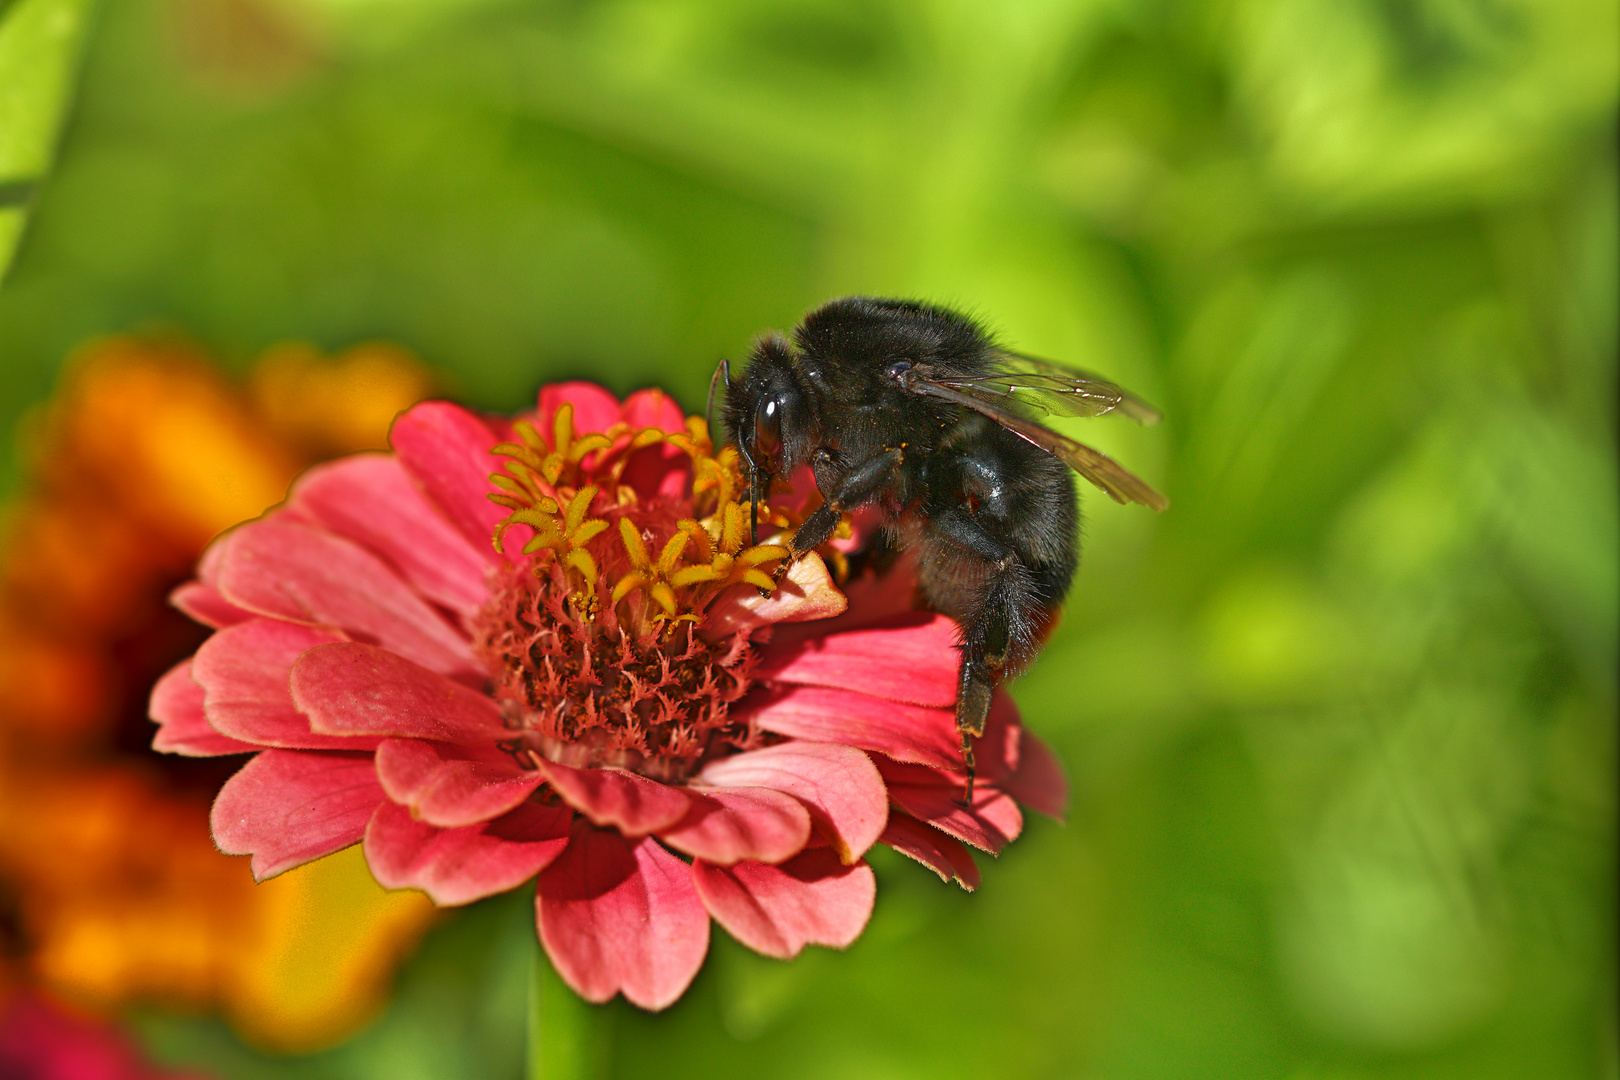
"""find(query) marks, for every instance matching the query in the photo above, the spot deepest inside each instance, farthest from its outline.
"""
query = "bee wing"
(1121, 485)
(1043, 387)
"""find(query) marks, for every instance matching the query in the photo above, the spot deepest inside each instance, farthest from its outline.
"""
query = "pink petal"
(632, 804)
(1039, 782)
(458, 866)
(243, 673)
(806, 592)
(725, 826)
(812, 899)
(204, 604)
(940, 853)
(289, 807)
(839, 785)
(304, 574)
(653, 408)
(911, 658)
(903, 732)
(208, 561)
(446, 449)
(801, 495)
(995, 752)
(658, 470)
(177, 706)
(347, 688)
(371, 499)
(595, 409)
(452, 785)
(899, 772)
(873, 598)
(618, 914)
(990, 825)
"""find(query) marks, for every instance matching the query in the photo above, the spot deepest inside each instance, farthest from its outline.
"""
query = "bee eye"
(768, 426)
(896, 369)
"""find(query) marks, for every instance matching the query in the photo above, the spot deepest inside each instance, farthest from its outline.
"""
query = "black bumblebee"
(913, 408)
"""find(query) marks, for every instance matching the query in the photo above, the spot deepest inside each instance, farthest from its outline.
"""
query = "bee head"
(768, 417)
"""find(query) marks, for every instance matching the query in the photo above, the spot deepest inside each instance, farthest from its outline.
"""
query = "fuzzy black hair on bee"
(914, 409)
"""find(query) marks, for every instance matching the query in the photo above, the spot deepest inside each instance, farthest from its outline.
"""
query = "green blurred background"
(1340, 725)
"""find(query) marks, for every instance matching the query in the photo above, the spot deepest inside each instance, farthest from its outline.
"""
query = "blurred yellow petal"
(166, 434)
(329, 940)
(329, 406)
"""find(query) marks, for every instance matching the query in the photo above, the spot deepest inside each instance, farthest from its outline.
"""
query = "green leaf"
(39, 50)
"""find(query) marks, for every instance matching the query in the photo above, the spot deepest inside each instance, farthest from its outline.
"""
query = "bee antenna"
(753, 493)
(753, 507)
(722, 375)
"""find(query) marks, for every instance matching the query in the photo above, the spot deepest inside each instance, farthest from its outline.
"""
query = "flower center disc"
(604, 692)
(593, 633)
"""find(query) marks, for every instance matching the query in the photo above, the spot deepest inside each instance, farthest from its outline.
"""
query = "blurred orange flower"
(110, 886)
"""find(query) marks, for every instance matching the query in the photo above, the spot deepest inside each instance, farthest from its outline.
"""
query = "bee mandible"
(914, 409)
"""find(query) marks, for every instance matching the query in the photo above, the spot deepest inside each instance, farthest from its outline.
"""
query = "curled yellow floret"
(554, 488)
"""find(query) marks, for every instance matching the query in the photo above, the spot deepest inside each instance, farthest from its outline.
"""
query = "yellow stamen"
(669, 558)
(700, 537)
(545, 487)
(633, 545)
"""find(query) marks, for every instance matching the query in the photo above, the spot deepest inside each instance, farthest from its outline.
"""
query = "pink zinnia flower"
(618, 685)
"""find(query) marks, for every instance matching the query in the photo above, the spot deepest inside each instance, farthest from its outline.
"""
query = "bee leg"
(986, 632)
(858, 485)
(973, 691)
(984, 659)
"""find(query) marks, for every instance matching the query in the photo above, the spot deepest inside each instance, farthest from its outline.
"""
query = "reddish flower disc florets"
(655, 700)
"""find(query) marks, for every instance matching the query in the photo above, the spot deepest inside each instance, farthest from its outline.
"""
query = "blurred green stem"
(537, 996)
(563, 1030)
